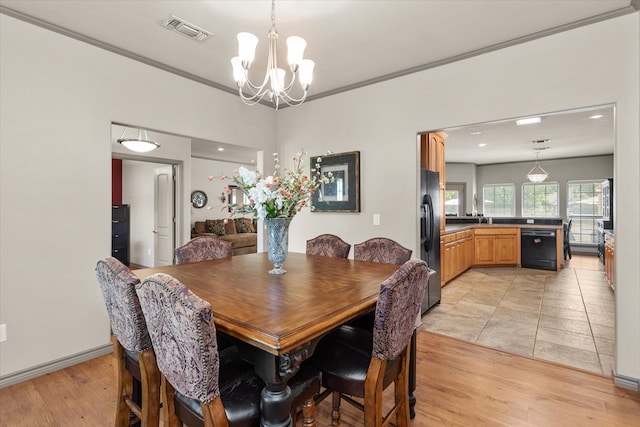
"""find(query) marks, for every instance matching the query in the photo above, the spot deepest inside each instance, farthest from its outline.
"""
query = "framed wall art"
(342, 194)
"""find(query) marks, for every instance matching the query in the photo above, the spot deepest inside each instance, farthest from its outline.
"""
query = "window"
(540, 199)
(499, 199)
(454, 199)
(451, 206)
(584, 206)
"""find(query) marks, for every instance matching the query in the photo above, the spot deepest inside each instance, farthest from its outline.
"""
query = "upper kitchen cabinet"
(432, 158)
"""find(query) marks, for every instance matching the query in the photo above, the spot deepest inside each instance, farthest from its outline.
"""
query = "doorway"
(149, 188)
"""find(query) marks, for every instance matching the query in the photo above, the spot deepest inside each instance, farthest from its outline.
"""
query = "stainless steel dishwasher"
(538, 248)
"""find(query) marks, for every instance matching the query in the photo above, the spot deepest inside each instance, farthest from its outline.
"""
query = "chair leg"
(335, 414)
(308, 413)
(150, 389)
(401, 390)
(125, 385)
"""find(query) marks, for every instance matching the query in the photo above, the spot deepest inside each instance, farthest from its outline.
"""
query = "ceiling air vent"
(181, 26)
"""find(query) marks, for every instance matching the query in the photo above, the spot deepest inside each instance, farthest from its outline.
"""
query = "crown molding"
(633, 7)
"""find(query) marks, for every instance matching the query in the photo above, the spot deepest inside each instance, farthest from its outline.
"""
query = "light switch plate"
(3, 332)
(376, 219)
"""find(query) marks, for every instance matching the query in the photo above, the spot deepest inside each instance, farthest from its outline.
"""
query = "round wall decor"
(198, 199)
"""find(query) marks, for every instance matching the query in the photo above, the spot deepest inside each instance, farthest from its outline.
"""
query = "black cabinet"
(120, 233)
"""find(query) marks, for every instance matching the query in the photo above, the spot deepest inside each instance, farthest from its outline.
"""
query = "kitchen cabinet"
(609, 254)
(457, 250)
(496, 246)
(432, 158)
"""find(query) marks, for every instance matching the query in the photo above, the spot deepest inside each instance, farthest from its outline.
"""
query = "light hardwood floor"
(459, 384)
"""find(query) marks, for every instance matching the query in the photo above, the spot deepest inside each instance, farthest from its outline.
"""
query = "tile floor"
(565, 317)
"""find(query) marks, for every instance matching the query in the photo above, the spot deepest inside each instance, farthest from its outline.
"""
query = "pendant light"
(537, 174)
(141, 144)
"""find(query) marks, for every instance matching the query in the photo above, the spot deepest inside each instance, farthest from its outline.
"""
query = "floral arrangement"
(278, 195)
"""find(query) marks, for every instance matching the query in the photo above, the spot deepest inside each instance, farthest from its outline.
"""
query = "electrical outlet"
(530, 221)
(3, 332)
(376, 219)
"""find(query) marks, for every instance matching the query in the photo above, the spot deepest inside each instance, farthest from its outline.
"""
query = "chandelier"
(273, 86)
(140, 144)
(537, 174)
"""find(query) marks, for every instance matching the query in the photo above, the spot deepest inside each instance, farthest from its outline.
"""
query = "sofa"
(241, 232)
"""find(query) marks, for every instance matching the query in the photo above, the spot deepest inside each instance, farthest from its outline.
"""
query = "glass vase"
(277, 242)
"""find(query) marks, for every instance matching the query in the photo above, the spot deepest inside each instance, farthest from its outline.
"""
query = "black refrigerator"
(430, 233)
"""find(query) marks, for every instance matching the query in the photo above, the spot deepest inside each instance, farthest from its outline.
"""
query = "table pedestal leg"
(412, 377)
(275, 406)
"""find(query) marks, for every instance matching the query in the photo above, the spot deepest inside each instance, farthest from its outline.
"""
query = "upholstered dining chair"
(381, 250)
(328, 245)
(201, 386)
(131, 345)
(203, 248)
(358, 362)
(566, 229)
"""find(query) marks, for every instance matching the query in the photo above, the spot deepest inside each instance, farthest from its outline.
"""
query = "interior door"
(164, 221)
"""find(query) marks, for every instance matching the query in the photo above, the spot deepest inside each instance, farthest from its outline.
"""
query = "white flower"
(249, 178)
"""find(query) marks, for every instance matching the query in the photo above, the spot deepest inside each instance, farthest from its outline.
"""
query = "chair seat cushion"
(343, 358)
(132, 364)
(240, 390)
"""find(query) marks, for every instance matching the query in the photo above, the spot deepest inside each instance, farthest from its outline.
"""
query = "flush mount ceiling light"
(528, 121)
(273, 86)
(537, 174)
(141, 144)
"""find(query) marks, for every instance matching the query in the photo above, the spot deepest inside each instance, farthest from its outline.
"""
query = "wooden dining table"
(277, 320)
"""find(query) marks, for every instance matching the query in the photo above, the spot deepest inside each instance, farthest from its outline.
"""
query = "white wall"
(201, 169)
(59, 98)
(592, 65)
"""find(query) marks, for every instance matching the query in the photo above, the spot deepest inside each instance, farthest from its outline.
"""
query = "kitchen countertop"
(463, 227)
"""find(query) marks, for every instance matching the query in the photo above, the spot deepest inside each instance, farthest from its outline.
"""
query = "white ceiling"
(353, 43)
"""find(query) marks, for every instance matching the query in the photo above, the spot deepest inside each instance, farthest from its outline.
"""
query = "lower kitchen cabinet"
(457, 254)
(497, 246)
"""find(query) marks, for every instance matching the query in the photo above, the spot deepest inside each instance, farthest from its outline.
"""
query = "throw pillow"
(200, 227)
(230, 227)
(215, 226)
(244, 225)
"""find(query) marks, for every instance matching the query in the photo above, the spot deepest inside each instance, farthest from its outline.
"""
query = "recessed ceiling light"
(482, 145)
(220, 149)
(476, 132)
(528, 121)
(596, 116)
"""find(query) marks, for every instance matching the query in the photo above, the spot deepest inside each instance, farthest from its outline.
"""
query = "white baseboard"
(56, 365)
(626, 382)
